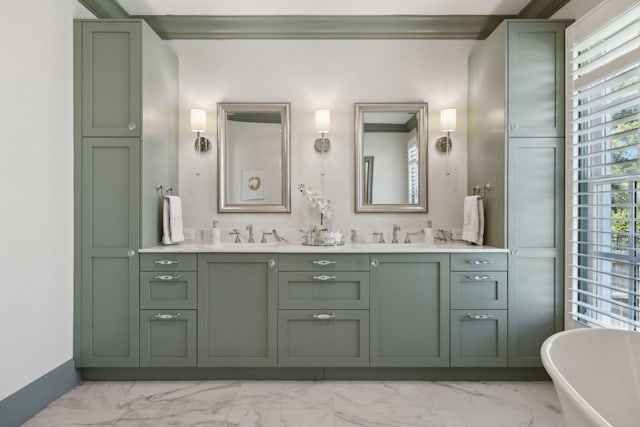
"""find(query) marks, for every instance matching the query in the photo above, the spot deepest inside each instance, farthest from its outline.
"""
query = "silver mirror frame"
(237, 107)
(421, 109)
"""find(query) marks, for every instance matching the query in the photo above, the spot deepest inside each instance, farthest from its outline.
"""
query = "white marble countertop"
(195, 247)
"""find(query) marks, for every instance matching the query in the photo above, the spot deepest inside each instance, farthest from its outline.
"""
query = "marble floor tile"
(304, 404)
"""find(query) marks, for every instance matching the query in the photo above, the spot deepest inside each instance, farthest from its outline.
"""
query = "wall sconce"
(323, 125)
(199, 124)
(448, 125)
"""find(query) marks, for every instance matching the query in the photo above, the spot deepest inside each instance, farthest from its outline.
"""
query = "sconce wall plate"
(202, 143)
(444, 144)
(322, 145)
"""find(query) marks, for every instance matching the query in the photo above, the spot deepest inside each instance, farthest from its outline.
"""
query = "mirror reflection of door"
(391, 138)
(368, 179)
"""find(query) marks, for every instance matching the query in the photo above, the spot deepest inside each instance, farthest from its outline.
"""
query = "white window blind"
(604, 69)
(413, 172)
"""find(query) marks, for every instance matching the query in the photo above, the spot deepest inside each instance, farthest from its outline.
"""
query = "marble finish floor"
(304, 403)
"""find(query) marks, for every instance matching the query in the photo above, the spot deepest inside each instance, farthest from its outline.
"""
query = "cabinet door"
(237, 310)
(323, 338)
(478, 337)
(409, 309)
(535, 238)
(167, 338)
(110, 230)
(111, 82)
(536, 79)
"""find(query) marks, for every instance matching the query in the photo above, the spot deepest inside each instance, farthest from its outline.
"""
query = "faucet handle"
(235, 232)
(407, 239)
(381, 240)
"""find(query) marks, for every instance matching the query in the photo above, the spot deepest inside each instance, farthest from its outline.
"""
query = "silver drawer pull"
(166, 316)
(324, 278)
(167, 277)
(167, 261)
(324, 316)
(479, 316)
(478, 277)
(324, 262)
(479, 261)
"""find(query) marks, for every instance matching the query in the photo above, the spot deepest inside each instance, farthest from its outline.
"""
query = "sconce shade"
(198, 120)
(448, 120)
(323, 121)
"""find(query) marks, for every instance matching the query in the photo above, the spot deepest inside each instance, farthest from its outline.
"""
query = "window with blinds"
(413, 173)
(604, 270)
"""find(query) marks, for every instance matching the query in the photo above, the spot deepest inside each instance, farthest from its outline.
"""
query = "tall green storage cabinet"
(125, 142)
(516, 143)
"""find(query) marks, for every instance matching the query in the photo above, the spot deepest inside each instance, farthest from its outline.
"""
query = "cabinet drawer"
(328, 290)
(323, 338)
(168, 338)
(324, 262)
(168, 289)
(168, 262)
(478, 337)
(476, 261)
(475, 289)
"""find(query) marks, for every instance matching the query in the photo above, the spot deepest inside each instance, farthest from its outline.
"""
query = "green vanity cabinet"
(123, 76)
(237, 309)
(323, 316)
(516, 120)
(409, 310)
(479, 297)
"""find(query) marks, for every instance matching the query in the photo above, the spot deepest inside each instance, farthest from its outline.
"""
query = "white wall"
(36, 166)
(333, 74)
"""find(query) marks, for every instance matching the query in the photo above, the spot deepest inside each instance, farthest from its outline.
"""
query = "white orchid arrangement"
(315, 200)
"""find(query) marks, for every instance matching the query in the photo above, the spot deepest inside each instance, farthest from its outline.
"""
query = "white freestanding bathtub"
(596, 375)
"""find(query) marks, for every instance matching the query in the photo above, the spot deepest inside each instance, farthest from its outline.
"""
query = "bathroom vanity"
(362, 310)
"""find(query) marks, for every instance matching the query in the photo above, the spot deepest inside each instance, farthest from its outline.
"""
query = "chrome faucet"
(264, 237)
(407, 239)
(396, 228)
(381, 239)
(250, 230)
(278, 237)
(235, 232)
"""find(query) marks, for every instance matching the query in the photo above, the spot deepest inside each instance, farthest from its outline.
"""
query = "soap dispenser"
(215, 233)
(428, 233)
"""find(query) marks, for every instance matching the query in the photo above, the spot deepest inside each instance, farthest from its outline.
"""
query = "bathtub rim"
(559, 380)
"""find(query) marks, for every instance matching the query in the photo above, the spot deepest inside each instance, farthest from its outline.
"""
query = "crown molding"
(324, 26)
(105, 9)
(203, 27)
(541, 8)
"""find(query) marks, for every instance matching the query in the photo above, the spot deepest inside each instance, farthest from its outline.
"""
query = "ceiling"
(323, 19)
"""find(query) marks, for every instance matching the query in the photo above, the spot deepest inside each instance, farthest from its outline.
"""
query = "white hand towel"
(172, 231)
(473, 224)
(166, 230)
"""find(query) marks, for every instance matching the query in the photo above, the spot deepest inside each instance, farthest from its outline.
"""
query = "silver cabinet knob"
(131, 253)
(271, 263)
(375, 263)
(132, 126)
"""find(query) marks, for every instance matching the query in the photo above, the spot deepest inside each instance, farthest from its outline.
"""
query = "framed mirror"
(253, 157)
(391, 157)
